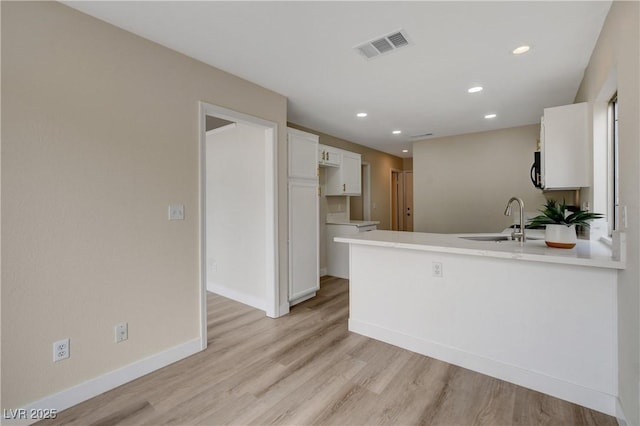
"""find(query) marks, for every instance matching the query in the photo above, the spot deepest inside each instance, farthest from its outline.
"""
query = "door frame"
(393, 201)
(366, 190)
(272, 307)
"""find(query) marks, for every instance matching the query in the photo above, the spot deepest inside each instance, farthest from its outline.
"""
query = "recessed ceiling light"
(361, 114)
(520, 50)
(397, 132)
(405, 150)
(490, 116)
(475, 89)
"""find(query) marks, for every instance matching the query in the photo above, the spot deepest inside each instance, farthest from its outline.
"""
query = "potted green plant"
(560, 223)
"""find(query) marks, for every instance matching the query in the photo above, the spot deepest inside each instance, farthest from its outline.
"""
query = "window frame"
(613, 166)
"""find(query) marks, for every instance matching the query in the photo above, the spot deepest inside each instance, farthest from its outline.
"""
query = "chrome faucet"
(517, 235)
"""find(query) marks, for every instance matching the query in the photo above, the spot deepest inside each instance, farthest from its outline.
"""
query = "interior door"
(408, 201)
(402, 201)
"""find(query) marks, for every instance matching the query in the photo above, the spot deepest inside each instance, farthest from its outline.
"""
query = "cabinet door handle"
(344, 187)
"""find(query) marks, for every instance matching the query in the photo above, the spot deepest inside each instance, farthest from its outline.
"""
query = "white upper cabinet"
(352, 173)
(564, 147)
(346, 179)
(328, 156)
(303, 154)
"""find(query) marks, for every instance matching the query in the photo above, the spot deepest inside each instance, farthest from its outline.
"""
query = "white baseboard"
(94, 387)
(302, 299)
(590, 398)
(284, 308)
(232, 294)
(622, 420)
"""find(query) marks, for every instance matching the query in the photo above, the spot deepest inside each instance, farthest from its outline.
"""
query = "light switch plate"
(122, 332)
(176, 212)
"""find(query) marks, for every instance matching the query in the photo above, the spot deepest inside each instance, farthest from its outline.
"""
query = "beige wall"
(462, 183)
(407, 164)
(617, 54)
(99, 136)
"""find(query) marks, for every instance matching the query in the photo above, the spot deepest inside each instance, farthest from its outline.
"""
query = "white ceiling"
(305, 51)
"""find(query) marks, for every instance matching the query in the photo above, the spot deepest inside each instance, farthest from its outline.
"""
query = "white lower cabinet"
(338, 253)
(304, 268)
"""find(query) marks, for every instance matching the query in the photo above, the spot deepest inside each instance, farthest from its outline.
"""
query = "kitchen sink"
(496, 238)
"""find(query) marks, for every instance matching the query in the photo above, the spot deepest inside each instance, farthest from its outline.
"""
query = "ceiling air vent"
(424, 135)
(384, 44)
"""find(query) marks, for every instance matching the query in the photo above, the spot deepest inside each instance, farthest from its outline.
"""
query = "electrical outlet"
(61, 350)
(436, 269)
(122, 332)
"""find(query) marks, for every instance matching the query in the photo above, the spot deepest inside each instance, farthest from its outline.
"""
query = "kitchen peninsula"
(535, 316)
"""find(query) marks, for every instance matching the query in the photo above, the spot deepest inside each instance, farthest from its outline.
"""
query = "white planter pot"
(560, 236)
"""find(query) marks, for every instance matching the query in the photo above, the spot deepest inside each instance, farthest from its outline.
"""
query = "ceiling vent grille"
(384, 44)
(424, 135)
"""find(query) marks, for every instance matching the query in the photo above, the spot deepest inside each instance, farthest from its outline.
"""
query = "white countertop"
(357, 223)
(585, 253)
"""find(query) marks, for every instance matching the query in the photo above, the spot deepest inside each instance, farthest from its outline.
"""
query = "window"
(613, 189)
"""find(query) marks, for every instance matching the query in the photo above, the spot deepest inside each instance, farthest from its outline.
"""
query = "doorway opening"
(402, 200)
(238, 202)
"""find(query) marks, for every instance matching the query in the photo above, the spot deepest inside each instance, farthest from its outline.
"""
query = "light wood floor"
(307, 368)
